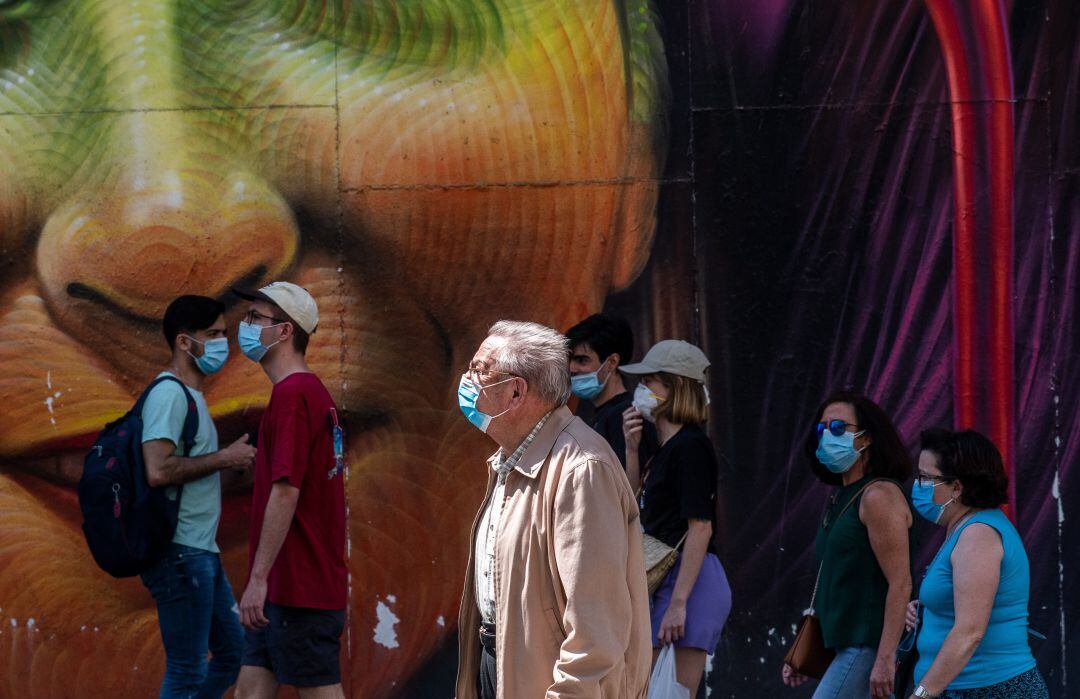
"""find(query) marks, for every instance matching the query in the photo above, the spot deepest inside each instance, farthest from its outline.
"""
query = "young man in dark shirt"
(598, 345)
(294, 603)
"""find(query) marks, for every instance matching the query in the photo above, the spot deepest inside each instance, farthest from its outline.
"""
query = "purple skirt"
(706, 610)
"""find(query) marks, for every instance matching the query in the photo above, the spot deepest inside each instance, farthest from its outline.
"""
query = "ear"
(615, 355)
(286, 332)
(183, 343)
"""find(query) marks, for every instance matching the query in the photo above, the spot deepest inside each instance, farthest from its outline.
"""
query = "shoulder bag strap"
(644, 475)
(850, 502)
(856, 497)
(641, 488)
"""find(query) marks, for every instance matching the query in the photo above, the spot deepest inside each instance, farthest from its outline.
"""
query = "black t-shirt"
(680, 485)
(607, 420)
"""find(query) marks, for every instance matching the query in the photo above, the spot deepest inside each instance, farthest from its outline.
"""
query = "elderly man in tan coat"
(555, 601)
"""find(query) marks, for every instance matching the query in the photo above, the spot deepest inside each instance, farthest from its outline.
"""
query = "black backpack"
(127, 523)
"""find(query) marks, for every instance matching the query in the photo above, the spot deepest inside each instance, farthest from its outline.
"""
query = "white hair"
(536, 353)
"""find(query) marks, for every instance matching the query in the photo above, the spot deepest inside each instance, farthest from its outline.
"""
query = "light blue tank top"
(1003, 652)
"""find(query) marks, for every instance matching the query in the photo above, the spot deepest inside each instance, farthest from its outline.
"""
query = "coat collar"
(536, 455)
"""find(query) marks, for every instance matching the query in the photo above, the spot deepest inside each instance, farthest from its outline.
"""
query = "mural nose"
(131, 252)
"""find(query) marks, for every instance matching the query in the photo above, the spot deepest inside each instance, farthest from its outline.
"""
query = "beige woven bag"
(659, 559)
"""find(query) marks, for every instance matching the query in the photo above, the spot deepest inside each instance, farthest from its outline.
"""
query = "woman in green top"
(862, 546)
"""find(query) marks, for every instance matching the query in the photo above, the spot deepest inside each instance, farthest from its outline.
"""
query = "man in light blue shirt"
(197, 612)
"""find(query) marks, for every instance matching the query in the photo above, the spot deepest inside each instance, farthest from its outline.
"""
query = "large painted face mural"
(423, 168)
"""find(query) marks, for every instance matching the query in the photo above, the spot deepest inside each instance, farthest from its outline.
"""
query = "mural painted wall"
(801, 186)
(422, 167)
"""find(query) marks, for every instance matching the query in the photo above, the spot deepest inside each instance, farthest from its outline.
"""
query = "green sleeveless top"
(851, 595)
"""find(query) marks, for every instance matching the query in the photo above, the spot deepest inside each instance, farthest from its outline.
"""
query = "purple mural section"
(806, 239)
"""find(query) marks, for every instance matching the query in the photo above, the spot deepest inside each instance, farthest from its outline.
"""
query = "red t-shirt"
(296, 444)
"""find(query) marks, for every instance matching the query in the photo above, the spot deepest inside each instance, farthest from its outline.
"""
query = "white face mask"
(646, 402)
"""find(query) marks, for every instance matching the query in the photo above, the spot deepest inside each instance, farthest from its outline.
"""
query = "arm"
(591, 523)
(673, 625)
(976, 563)
(887, 517)
(279, 514)
(633, 423)
(165, 467)
(163, 414)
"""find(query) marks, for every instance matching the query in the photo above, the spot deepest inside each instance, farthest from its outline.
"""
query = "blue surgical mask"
(838, 454)
(215, 352)
(588, 386)
(922, 497)
(250, 339)
(468, 393)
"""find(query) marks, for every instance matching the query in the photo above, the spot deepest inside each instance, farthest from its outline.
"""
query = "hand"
(632, 424)
(912, 616)
(239, 454)
(881, 678)
(673, 625)
(252, 603)
(792, 678)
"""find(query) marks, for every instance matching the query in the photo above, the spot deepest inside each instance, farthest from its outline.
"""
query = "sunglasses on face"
(836, 427)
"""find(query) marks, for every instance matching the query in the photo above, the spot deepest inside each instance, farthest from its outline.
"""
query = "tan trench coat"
(570, 592)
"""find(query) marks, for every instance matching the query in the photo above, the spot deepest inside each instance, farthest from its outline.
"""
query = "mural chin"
(483, 160)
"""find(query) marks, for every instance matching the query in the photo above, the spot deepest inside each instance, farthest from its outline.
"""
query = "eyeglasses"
(926, 480)
(835, 427)
(252, 316)
(910, 636)
(476, 371)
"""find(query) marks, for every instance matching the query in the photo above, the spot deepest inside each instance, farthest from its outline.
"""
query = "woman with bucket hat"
(678, 502)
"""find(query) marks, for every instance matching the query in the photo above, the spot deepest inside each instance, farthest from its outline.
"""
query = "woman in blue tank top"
(973, 637)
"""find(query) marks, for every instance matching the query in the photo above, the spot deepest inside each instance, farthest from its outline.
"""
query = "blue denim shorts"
(302, 647)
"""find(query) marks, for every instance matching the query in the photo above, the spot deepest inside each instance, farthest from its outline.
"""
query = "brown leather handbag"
(807, 654)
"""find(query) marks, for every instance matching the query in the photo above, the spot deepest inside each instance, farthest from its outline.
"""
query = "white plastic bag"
(663, 684)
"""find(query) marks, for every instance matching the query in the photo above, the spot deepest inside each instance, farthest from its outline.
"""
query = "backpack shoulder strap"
(191, 421)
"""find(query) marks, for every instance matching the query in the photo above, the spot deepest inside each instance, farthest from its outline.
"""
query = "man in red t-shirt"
(294, 604)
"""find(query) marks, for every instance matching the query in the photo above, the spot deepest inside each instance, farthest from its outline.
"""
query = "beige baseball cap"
(673, 357)
(295, 300)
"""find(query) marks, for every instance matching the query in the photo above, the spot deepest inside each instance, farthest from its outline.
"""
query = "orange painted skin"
(423, 174)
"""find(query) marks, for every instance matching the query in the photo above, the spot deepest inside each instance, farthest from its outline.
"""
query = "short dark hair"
(888, 458)
(300, 339)
(189, 314)
(606, 335)
(972, 459)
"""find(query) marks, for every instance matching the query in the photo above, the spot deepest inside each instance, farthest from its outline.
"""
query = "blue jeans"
(197, 613)
(848, 676)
